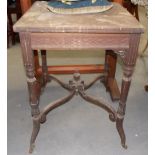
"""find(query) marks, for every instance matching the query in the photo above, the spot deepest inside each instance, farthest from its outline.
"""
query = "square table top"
(39, 19)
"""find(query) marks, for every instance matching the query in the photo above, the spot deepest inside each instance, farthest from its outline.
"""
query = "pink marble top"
(116, 20)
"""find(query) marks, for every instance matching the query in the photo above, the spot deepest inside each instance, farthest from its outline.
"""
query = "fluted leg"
(33, 85)
(129, 60)
(122, 104)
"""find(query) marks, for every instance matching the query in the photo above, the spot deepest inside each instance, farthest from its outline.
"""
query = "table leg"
(33, 84)
(110, 82)
(44, 67)
(129, 60)
(36, 63)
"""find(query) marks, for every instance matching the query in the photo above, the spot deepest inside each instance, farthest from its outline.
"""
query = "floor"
(77, 128)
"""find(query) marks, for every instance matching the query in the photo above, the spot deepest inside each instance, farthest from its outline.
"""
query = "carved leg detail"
(127, 73)
(119, 126)
(35, 111)
(34, 95)
(33, 85)
(36, 128)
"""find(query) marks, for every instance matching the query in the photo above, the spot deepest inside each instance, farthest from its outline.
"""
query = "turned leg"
(33, 86)
(44, 67)
(34, 103)
(122, 104)
(129, 59)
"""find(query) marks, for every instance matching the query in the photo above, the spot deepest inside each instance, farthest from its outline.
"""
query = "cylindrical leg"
(36, 63)
(110, 65)
(106, 65)
(110, 81)
(44, 67)
(11, 28)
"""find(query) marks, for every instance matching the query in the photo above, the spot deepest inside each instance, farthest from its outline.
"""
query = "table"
(115, 30)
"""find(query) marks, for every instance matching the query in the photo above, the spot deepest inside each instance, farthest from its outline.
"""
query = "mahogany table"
(115, 30)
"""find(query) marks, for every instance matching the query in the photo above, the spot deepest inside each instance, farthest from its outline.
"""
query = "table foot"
(32, 146)
(36, 128)
(119, 126)
(124, 146)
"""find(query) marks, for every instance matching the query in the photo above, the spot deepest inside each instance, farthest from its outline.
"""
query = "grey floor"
(76, 128)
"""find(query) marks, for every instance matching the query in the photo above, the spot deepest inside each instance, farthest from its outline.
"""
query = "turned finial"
(76, 76)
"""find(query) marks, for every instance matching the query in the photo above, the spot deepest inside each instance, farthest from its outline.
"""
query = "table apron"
(77, 41)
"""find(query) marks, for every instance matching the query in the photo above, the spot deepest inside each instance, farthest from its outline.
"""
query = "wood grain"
(71, 69)
(25, 5)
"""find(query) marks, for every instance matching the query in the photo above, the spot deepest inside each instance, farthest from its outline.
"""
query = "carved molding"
(31, 80)
(77, 87)
(29, 71)
(121, 53)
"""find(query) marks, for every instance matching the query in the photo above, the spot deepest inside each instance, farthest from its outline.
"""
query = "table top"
(39, 19)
